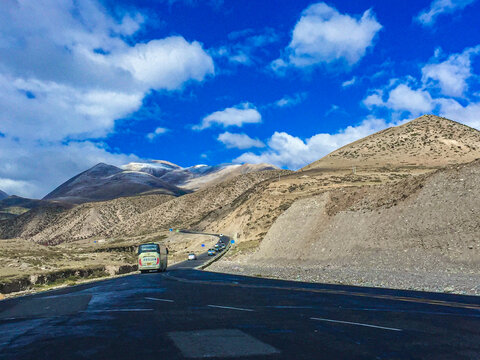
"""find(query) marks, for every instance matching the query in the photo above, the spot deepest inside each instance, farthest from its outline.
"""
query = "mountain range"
(3, 195)
(246, 199)
(400, 202)
(106, 182)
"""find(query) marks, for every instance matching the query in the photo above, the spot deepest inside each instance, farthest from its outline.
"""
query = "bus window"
(148, 248)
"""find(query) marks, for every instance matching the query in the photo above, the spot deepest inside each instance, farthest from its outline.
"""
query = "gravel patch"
(467, 283)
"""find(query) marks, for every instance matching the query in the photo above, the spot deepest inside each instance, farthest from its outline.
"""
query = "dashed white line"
(157, 299)
(289, 307)
(358, 324)
(229, 307)
(118, 310)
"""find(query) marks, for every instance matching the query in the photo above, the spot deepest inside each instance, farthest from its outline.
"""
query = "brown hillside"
(131, 216)
(225, 174)
(428, 141)
(54, 225)
(189, 209)
(420, 232)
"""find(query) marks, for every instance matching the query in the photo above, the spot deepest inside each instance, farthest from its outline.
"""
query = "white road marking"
(414, 311)
(290, 307)
(118, 310)
(358, 324)
(229, 307)
(157, 299)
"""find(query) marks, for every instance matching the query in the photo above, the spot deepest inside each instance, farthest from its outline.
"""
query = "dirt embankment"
(64, 276)
(27, 266)
(422, 232)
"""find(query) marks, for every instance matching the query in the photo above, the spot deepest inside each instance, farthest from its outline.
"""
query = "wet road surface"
(186, 313)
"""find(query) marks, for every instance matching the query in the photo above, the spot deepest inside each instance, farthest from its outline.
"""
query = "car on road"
(211, 252)
(223, 246)
(192, 256)
(152, 257)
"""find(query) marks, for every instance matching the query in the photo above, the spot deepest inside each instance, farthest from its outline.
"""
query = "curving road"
(186, 313)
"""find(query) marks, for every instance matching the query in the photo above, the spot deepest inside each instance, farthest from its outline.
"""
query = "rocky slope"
(3, 195)
(252, 217)
(426, 142)
(422, 232)
(392, 222)
(57, 224)
(188, 210)
(128, 216)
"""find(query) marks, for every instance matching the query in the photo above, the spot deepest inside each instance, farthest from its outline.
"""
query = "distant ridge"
(3, 195)
(429, 141)
(106, 182)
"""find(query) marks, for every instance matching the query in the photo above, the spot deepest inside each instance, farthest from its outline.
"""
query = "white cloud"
(244, 113)
(325, 36)
(350, 82)
(158, 131)
(239, 141)
(468, 115)
(288, 101)
(438, 7)
(68, 71)
(420, 96)
(167, 63)
(57, 111)
(374, 99)
(285, 150)
(404, 98)
(450, 75)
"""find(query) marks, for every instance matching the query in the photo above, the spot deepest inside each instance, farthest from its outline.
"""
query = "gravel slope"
(424, 235)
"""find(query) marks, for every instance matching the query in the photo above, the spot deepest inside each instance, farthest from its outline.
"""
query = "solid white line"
(157, 299)
(229, 307)
(359, 324)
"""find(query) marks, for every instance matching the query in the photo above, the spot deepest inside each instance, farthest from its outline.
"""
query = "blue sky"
(192, 81)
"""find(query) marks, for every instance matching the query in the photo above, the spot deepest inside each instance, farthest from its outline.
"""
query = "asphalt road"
(186, 313)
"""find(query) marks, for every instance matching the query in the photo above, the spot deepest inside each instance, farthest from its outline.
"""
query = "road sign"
(232, 241)
(170, 229)
(177, 230)
(203, 245)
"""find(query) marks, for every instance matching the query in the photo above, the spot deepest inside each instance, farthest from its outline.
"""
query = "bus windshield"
(148, 248)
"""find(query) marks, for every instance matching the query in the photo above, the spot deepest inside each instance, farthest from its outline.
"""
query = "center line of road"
(157, 299)
(229, 307)
(358, 324)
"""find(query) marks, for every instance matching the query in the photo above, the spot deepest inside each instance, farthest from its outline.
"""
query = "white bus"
(152, 256)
